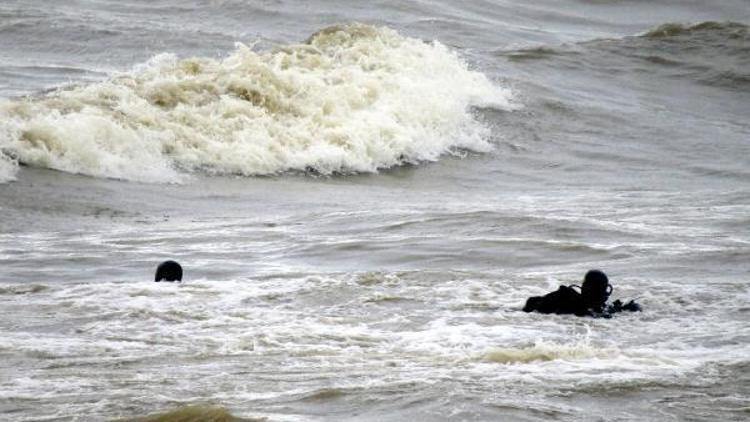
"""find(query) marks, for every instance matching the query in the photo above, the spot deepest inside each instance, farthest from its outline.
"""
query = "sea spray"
(352, 98)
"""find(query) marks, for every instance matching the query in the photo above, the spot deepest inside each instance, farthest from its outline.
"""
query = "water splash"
(353, 98)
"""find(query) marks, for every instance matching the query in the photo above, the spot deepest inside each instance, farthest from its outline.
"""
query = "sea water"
(362, 196)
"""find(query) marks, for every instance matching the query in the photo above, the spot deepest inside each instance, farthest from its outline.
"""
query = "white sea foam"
(7, 169)
(114, 338)
(546, 351)
(353, 98)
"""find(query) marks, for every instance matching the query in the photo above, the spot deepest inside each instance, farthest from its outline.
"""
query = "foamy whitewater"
(362, 196)
(354, 98)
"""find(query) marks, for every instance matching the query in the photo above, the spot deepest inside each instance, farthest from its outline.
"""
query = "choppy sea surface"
(363, 195)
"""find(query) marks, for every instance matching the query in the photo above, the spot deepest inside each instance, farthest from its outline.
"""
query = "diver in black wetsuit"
(168, 271)
(591, 301)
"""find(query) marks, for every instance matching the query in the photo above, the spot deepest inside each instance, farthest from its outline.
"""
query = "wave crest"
(544, 351)
(732, 29)
(353, 98)
(194, 413)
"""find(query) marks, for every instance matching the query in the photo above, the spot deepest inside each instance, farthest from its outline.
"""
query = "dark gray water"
(361, 212)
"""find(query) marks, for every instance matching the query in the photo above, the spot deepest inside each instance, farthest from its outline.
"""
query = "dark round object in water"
(632, 306)
(617, 306)
(168, 271)
(595, 289)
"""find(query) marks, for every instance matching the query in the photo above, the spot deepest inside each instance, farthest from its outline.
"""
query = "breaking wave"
(544, 351)
(352, 98)
(194, 413)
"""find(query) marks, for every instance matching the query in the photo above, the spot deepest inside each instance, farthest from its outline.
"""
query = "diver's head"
(596, 289)
(168, 271)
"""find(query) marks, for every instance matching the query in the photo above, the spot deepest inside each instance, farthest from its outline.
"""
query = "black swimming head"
(168, 271)
(596, 289)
